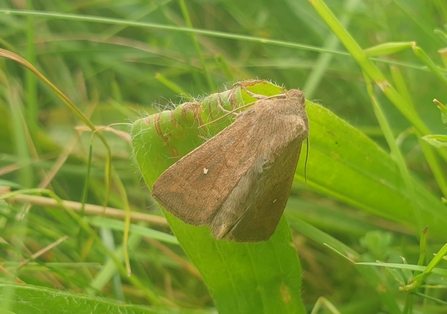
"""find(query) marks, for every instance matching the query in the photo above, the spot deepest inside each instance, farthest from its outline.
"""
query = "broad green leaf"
(33, 299)
(262, 277)
(347, 165)
(344, 164)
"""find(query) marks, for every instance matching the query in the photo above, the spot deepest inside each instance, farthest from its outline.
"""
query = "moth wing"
(261, 219)
(194, 188)
(265, 205)
(255, 205)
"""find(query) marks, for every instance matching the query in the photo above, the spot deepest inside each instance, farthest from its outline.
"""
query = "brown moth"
(239, 181)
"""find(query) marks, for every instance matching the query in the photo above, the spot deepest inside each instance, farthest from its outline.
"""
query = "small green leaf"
(443, 110)
(437, 140)
(388, 48)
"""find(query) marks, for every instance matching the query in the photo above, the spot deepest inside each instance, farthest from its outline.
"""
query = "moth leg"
(227, 112)
(219, 105)
(259, 96)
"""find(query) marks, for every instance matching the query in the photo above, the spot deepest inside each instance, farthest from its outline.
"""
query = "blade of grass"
(324, 59)
(397, 156)
(150, 295)
(368, 67)
(31, 81)
(12, 56)
(185, 13)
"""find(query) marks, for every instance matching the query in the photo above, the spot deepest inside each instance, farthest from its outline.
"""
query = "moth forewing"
(185, 191)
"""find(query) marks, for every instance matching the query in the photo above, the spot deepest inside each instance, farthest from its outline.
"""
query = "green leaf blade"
(262, 277)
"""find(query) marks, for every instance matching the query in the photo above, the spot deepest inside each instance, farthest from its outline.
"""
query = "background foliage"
(120, 70)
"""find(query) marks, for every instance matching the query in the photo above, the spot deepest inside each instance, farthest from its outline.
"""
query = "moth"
(239, 181)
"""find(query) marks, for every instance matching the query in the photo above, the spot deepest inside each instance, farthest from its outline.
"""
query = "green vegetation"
(368, 221)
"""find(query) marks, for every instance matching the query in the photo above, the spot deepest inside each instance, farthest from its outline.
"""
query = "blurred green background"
(116, 71)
